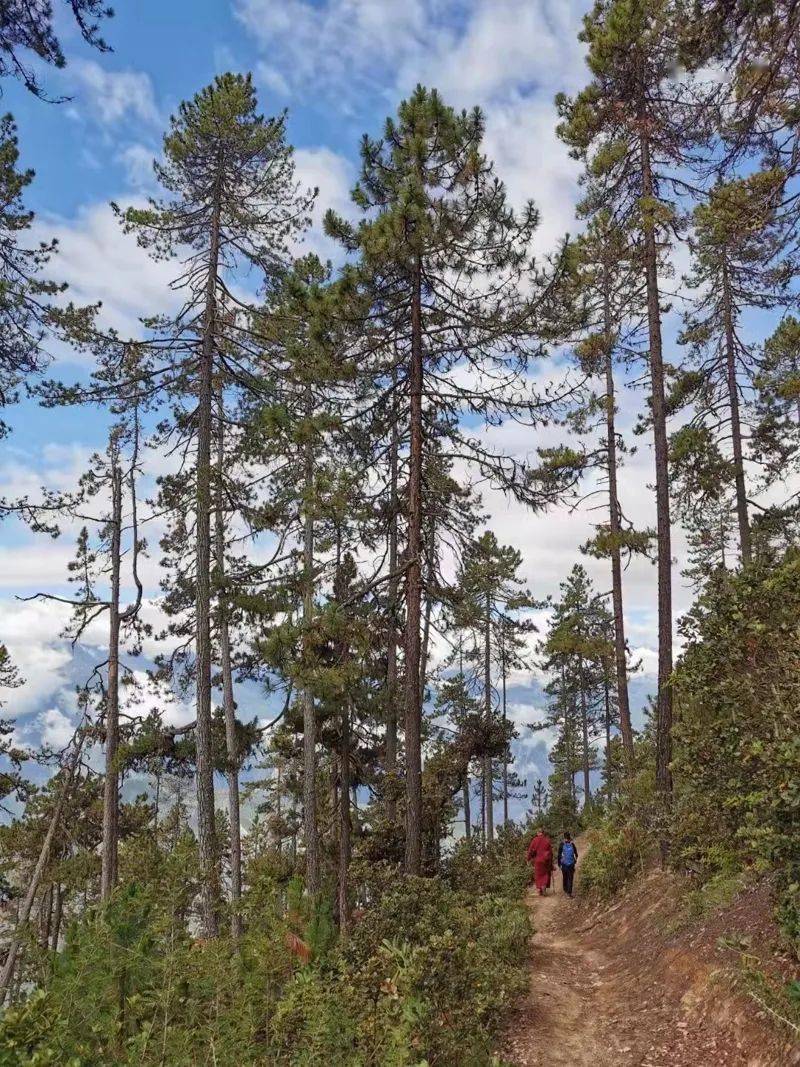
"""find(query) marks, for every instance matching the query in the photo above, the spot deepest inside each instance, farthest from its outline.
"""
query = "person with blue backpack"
(567, 859)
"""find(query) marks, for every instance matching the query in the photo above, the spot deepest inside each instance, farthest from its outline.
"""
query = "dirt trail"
(609, 989)
(566, 1016)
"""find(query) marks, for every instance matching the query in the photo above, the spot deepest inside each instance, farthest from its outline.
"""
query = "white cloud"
(508, 56)
(30, 631)
(55, 728)
(341, 45)
(99, 262)
(137, 159)
(56, 466)
(474, 49)
(273, 79)
(648, 659)
(333, 175)
(109, 97)
(41, 564)
(502, 47)
(534, 164)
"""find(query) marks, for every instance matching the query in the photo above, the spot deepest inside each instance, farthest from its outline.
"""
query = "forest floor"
(638, 982)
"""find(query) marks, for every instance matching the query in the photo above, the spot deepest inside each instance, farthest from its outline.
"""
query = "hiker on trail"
(567, 858)
(540, 854)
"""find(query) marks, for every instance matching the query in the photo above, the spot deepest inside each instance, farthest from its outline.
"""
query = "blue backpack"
(568, 854)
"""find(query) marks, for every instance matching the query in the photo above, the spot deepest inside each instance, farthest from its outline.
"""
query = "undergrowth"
(424, 977)
(735, 806)
(774, 995)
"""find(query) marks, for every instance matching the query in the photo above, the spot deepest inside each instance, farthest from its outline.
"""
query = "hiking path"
(604, 993)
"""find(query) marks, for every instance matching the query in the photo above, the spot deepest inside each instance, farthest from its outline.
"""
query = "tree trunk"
(344, 821)
(745, 547)
(426, 628)
(207, 835)
(467, 812)
(663, 527)
(483, 808)
(505, 720)
(26, 907)
(620, 651)
(488, 770)
(587, 791)
(310, 829)
(156, 802)
(278, 811)
(108, 869)
(45, 917)
(413, 707)
(569, 739)
(608, 731)
(55, 933)
(228, 701)
(391, 650)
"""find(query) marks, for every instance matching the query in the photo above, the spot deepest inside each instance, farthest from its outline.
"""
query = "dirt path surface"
(566, 1015)
(610, 989)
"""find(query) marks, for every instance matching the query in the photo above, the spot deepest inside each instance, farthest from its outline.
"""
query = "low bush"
(613, 856)
(423, 978)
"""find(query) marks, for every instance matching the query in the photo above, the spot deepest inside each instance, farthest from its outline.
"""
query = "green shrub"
(737, 736)
(450, 960)
(613, 856)
(425, 975)
(503, 872)
(736, 753)
(717, 892)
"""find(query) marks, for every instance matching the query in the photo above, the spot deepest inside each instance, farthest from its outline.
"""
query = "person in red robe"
(540, 855)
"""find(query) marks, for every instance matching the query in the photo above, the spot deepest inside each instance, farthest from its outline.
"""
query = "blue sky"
(339, 66)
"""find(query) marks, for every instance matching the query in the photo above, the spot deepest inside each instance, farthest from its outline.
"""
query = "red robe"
(540, 854)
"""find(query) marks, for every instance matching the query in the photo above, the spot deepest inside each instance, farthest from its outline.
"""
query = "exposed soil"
(636, 983)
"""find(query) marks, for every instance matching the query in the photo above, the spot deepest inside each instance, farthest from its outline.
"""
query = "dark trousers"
(568, 874)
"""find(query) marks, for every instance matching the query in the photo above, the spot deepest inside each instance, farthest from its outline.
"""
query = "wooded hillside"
(289, 502)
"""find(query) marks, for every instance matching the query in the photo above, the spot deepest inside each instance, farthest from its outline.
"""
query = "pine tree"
(512, 653)
(62, 786)
(635, 125)
(393, 621)
(490, 593)
(106, 501)
(232, 200)
(702, 480)
(776, 430)
(297, 430)
(756, 103)
(577, 650)
(607, 284)
(539, 797)
(438, 226)
(221, 580)
(738, 245)
(29, 316)
(27, 26)
(12, 782)
(457, 699)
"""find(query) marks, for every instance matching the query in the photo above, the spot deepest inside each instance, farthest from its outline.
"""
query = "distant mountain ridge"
(526, 704)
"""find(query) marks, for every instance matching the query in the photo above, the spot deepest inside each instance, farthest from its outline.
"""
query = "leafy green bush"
(736, 752)
(443, 964)
(423, 978)
(717, 892)
(503, 872)
(737, 738)
(613, 856)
